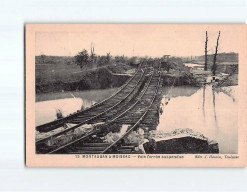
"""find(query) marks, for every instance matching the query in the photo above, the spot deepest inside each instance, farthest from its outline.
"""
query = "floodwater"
(212, 112)
(192, 65)
(47, 104)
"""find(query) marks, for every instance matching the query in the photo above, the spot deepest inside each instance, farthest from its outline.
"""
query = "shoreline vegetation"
(62, 74)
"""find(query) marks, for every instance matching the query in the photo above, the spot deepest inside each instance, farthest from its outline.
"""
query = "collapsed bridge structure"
(135, 105)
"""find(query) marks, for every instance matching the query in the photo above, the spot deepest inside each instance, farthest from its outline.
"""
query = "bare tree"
(206, 52)
(93, 56)
(215, 55)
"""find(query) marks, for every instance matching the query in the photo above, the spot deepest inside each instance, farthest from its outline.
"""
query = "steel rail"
(111, 121)
(138, 122)
(59, 122)
(94, 117)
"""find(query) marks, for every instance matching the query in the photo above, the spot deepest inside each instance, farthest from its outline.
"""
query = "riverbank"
(232, 80)
(178, 79)
(60, 73)
(105, 79)
(62, 76)
(100, 78)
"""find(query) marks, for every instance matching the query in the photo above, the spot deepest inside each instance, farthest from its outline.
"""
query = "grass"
(50, 73)
(57, 75)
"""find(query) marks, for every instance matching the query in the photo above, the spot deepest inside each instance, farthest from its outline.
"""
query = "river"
(212, 112)
(47, 104)
(193, 65)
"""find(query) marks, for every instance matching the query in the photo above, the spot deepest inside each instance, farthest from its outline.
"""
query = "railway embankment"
(105, 78)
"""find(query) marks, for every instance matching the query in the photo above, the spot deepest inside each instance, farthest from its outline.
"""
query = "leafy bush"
(82, 58)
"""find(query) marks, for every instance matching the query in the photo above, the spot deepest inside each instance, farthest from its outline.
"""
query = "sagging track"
(134, 104)
(101, 105)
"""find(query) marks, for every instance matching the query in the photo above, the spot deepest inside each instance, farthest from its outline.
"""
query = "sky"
(135, 39)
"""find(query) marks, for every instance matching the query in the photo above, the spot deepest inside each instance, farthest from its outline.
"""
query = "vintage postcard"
(136, 95)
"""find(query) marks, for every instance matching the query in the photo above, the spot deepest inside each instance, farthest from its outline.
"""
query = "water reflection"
(210, 111)
(203, 104)
(87, 104)
(46, 111)
(68, 102)
(215, 115)
(173, 92)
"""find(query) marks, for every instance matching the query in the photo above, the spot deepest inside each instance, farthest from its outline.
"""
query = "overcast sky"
(140, 40)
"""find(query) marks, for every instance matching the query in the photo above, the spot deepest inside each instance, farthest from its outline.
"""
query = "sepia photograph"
(123, 96)
(135, 89)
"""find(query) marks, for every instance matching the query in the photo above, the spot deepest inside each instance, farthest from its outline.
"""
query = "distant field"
(218, 63)
(62, 71)
(48, 73)
(58, 74)
(221, 58)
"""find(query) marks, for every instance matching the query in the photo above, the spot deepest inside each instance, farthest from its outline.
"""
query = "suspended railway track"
(89, 112)
(131, 109)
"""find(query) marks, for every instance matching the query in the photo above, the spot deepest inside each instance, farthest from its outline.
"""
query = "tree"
(215, 55)
(104, 60)
(108, 57)
(167, 66)
(93, 56)
(119, 59)
(82, 58)
(206, 52)
(42, 56)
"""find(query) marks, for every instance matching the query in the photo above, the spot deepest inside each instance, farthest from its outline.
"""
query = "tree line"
(83, 58)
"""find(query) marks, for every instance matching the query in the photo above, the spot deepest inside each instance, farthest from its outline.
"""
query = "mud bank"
(232, 80)
(178, 80)
(98, 79)
(180, 141)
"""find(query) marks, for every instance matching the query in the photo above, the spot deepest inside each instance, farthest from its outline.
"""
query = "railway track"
(99, 116)
(140, 118)
(132, 112)
(90, 112)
